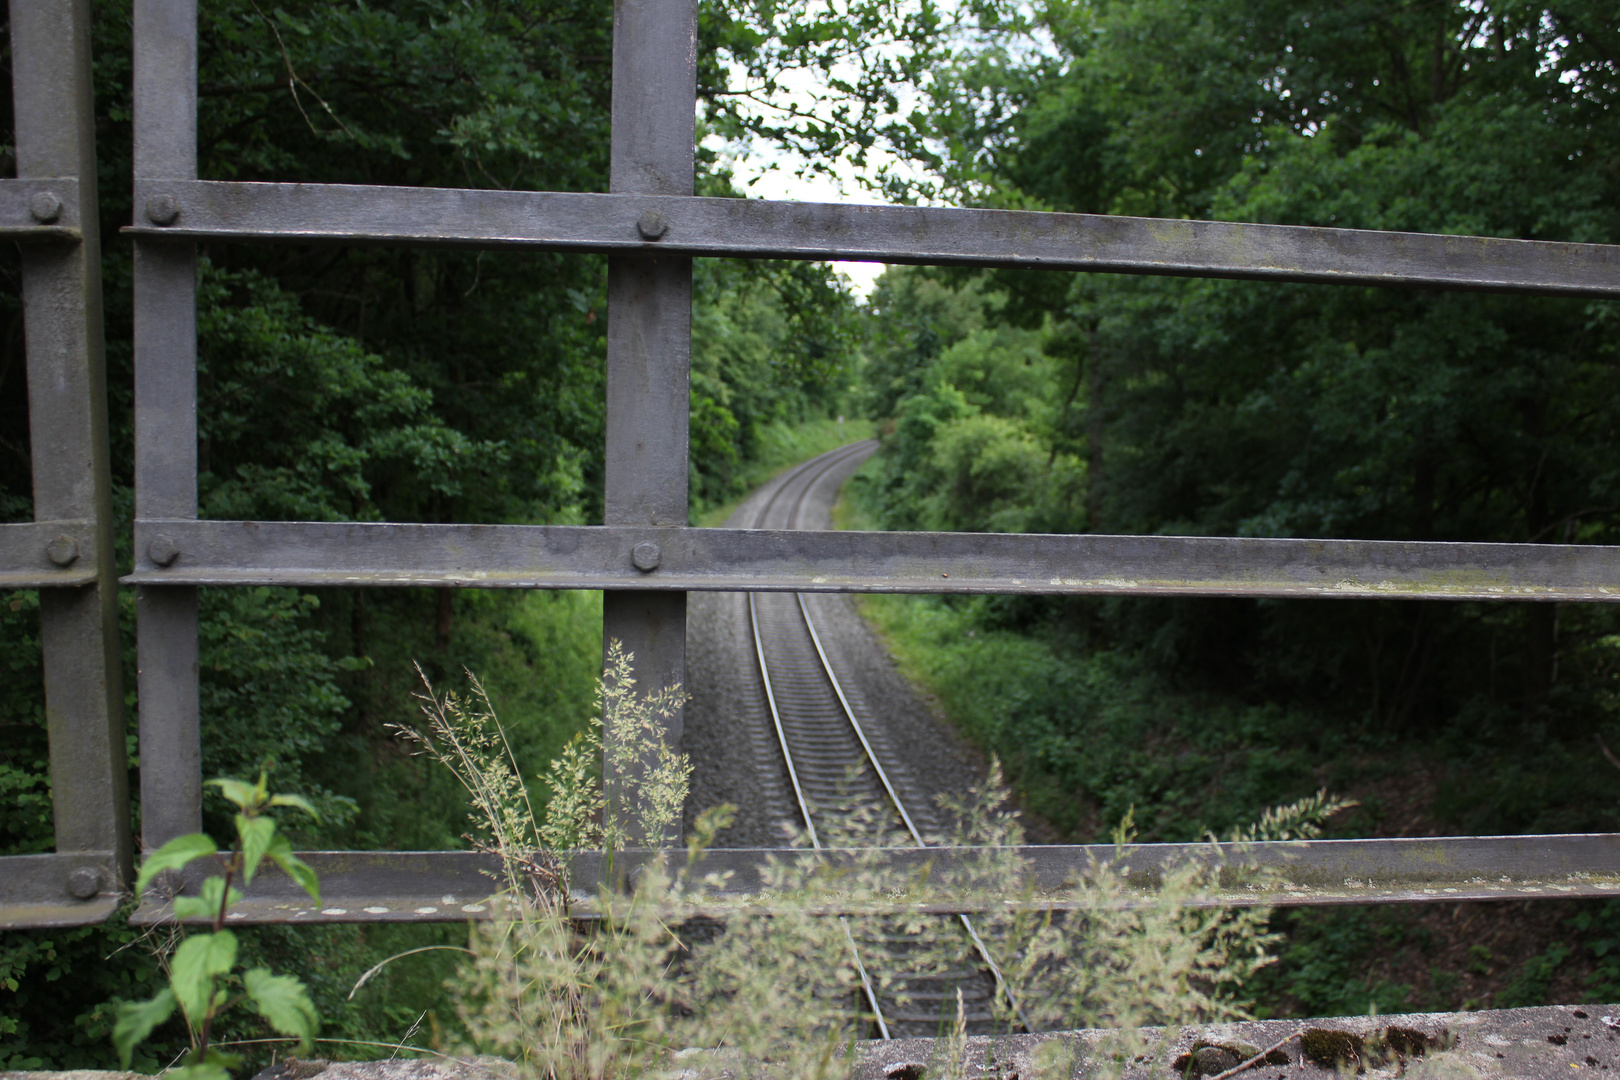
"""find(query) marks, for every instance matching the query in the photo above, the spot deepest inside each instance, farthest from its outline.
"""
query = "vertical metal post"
(67, 410)
(650, 323)
(166, 416)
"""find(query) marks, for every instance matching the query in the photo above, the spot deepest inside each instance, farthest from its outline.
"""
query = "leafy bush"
(202, 968)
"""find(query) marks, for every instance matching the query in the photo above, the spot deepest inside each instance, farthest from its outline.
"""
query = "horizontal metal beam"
(36, 209)
(187, 552)
(71, 889)
(47, 554)
(456, 886)
(754, 228)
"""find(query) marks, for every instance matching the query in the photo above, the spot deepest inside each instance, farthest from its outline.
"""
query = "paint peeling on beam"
(754, 228)
(596, 557)
(455, 886)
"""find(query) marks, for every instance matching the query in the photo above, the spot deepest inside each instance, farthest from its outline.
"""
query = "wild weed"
(770, 985)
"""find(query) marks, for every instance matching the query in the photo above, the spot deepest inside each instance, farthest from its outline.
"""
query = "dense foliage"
(353, 384)
(1148, 405)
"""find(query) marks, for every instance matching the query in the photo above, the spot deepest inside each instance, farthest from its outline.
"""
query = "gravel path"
(728, 725)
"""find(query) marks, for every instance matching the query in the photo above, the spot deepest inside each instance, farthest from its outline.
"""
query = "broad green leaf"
(199, 960)
(172, 856)
(297, 801)
(236, 791)
(208, 1070)
(284, 1002)
(214, 1066)
(256, 834)
(136, 1019)
(281, 851)
(206, 905)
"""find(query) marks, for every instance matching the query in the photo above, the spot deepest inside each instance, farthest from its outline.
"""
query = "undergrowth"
(632, 971)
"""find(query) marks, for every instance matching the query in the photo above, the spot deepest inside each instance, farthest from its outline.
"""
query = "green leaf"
(284, 1002)
(172, 856)
(206, 905)
(136, 1019)
(297, 801)
(237, 792)
(198, 961)
(256, 834)
(300, 871)
(214, 1066)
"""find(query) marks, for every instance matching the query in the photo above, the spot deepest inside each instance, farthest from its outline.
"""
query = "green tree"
(1235, 408)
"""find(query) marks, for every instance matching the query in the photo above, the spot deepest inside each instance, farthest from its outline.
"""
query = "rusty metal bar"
(454, 886)
(649, 331)
(768, 560)
(68, 551)
(754, 228)
(166, 417)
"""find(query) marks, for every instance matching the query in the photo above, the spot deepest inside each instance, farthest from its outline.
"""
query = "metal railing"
(50, 209)
(645, 557)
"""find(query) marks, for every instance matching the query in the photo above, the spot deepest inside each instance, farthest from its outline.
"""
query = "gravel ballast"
(728, 726)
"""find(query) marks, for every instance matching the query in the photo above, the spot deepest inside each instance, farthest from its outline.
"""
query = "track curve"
(838, 785)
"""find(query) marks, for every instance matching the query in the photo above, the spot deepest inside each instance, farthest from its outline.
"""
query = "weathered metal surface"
(755, 228)
(70, 542)
(29, 551)
(40, 208)
(649, 332)
(166, 419)
(768, 560)
(76, 888)
(453, 886)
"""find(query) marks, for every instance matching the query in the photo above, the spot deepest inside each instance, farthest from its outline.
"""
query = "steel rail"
(888, 785)
(860, 733)
(787, 756)
(827, 463)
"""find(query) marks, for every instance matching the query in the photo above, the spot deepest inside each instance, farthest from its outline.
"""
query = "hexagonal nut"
(646, 556)
(84, 882)
(651, 225)
(62, 551)
(163, 550)
(162, 209)
(44, 207)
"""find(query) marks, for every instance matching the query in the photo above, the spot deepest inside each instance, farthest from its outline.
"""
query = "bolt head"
(162, 209)
(652, 225)
(84, 882)
(646, 556)
(163, 550)
(45, 207)
(63, 550)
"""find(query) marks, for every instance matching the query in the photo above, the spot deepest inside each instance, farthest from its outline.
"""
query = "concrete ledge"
(1569, 1042)
(1565, 1041)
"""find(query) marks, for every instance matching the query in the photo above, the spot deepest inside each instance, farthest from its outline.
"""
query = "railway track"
(845, 797)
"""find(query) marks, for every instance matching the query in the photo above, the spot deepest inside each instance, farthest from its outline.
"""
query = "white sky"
(752, 166)
(781, 183)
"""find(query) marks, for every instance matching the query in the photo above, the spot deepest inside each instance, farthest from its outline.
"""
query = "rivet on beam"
(162, 209)
(63, 550)
(163, 550)
(646, 556)
(45, 207)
